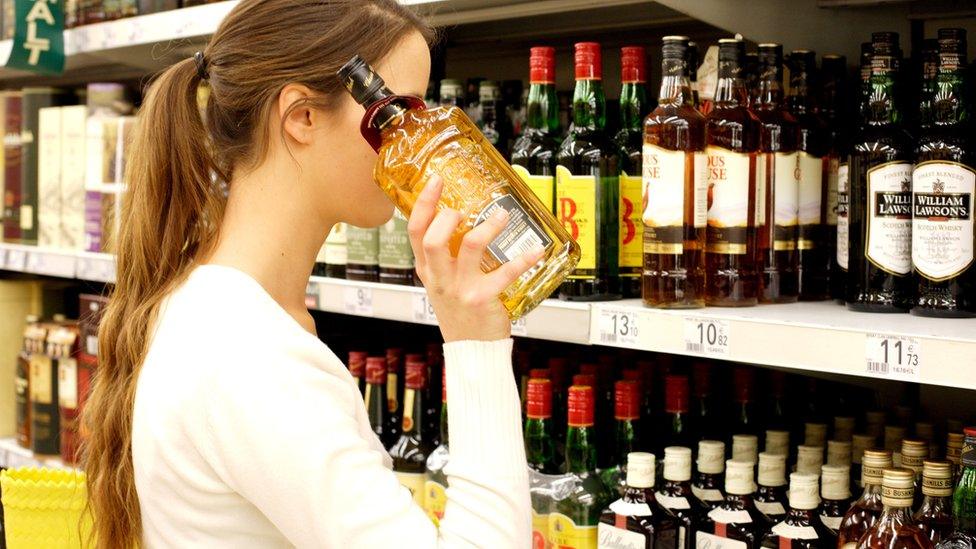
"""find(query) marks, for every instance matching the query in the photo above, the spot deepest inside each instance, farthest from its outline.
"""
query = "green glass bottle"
(964, 499)
(587, 185)
(539, 441)
(575, 519)
(534, 153)
(626, 434)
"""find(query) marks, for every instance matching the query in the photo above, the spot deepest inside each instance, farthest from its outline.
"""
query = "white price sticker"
(894, 357)
(618, 327)
(99, 269)
(519, 327)
(312, 295)
(707, 336)
(358, 301)
(423, 311)
(16, 260)
(51, 264)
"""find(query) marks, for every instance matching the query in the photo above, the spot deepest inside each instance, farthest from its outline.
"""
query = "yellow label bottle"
(543, 186)
(631, 235)
(576, 210)
(564, 533)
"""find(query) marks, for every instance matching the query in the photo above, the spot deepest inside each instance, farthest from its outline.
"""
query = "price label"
(423, 311)
(618, 327)
(312, 295)
(893, 357)
(16, 259)
(51, 264)
(99, 269)
(519, 328)
(358, 301)
(707, 336)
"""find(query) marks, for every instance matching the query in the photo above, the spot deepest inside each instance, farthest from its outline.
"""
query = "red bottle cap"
(588, 369)
(539, 373)
(676, 394)
(589, 63)
(626, 400)
(744, 378)
(394, 360)
(703, 379)
(443, 384)
(580, 406)
(416, 374)
(357, 363)
(542, 65)
(375, 370)
(539, 399)
(584, 380)
(633, 65)
(969, 432)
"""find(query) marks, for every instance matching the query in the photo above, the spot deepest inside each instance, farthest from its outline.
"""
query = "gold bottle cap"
(843, 428)
(772, 469)
(809, 459)
(839, 452)
(739, 479)
(804, 492)
(893, 435)
(711, 457)
(859, 444)
(640, 470)
(937, 478)
(954, 447)
(913, 453)
(873, 466)
(898, 487)
(677, 463)
(836, 482)
(815, 434)
(745, 447)
(778, 442)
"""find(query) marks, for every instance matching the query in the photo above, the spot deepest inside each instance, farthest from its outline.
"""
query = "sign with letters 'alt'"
(38, 36)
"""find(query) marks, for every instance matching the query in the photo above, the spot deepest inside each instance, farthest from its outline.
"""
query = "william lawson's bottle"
(676, 497)
(934, 516)
(477, 182)
(801, 527)
(771, 496)
(833, 71)
(964, 499)
(879, 275)
(435, 488)
(630, 138)
(675, 199)
(865, 511)
(836, 493)
(587, 185)
(896, 527)
(732, 140)
(736, 523)
(410, 452)
(533, 156)
(778, 187)
(376, 406)
(711, 473)
(943, 186)
(635, 520)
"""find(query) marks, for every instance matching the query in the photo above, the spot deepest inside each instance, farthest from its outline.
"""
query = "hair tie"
(201, 62)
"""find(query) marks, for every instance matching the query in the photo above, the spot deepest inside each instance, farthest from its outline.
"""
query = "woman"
(218, 419)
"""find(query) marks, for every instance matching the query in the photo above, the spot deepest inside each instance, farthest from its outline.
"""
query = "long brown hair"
(174, 201)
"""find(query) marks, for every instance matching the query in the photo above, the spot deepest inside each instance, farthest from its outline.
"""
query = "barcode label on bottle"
(521, 235)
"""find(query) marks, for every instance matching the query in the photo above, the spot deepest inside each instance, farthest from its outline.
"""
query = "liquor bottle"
(896, 527)
(357, 368)
(732, 139)
(777, 190)
(964, 499)
(801, 527)
(954, 442)
(839, 453)
(435, 390)
(865, 511)
(676, 429)
(336, 252)
(35, 334)
(770, 497)
(844, 428)
(533, 156)
(809, 459)
(539, 442)
(676, 497)
(477, 182)
(587, 185)
(626, 434)
(778, 442)
(675, 189)
(711, 473)
(375, 397)
(834, 95)
(394, 392)
(362, 254)
(435, 487)
(737, 518)
(13, 166)
(493, 122)
(814, 161)
(692, 61)
(880, 214)
(636, 520)
(934, 516)
(557, 375)
(750, 74)
(411, 450)
(574, 521)
(836, 493)
(394, 253)
(745, 416)
(745, 448)
(630, 139)
(943, 184)
(815, 434)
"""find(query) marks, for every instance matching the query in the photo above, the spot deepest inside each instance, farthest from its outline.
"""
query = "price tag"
(98, 269)
(358, 301)
(51, 264)
(707, 336)
(423, 312)
(519, 328)
(312, 295)
(16, 260)
(893, 357)
(617, 327)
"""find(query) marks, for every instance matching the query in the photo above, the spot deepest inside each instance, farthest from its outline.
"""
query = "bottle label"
(701, 190)
(833, 523)
(938, 487)
(843, 204)
(540, 530)
(665, 174)
(335, 245)
(435, 500)
(611, 537)
(889, 239)
(394, 244)
(771, 508)
(728, 201)
(540, 185)
(833, 172)
(707, 494)
(631, 232)
(563, 532)
(786, 200)
(672, 502)
(627, 509)
(790, 531)
(576, 209)
(810, 175)
(363, 247)
(415, 483)
(41, 390)
(68, 383)
(520, 235)
(727, 516)
(704, 540)
(942, 222)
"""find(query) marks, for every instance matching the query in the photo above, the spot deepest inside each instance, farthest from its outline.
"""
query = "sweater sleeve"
(291, 445)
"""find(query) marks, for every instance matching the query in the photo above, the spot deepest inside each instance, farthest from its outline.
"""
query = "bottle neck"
(413, 416)
(638, 495)
(871, 491)
(376, 403)
(542, 109)
(536, 438)
(589, 105)
(738, 501)
(800, 100)
(731, 90)
(633, 104)
(675, 84)
(900, 512)
(625, 437)
(771, 87)
(676, 487)
(800, 517)
(444, 430)
(950, 105)
(580, 450)
(882, 101)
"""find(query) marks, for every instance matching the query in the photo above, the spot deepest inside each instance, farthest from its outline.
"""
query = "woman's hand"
(464, 298)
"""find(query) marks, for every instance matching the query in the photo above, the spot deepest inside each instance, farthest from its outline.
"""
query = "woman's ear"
(300, 119)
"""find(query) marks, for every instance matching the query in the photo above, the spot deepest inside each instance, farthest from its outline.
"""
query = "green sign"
(38, 37)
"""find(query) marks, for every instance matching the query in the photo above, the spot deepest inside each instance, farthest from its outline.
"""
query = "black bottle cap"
(771, 54)
(674, 47)
(362, 82)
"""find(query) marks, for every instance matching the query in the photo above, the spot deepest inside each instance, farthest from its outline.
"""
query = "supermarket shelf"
(59, 263)
(14, 455)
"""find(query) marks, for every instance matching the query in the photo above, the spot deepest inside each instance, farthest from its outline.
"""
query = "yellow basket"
(44, 508)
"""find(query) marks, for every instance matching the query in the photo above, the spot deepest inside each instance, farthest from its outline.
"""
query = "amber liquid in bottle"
(895, 528)
(732, 139)
(934, 515)
(866, 510)
(675, 199)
